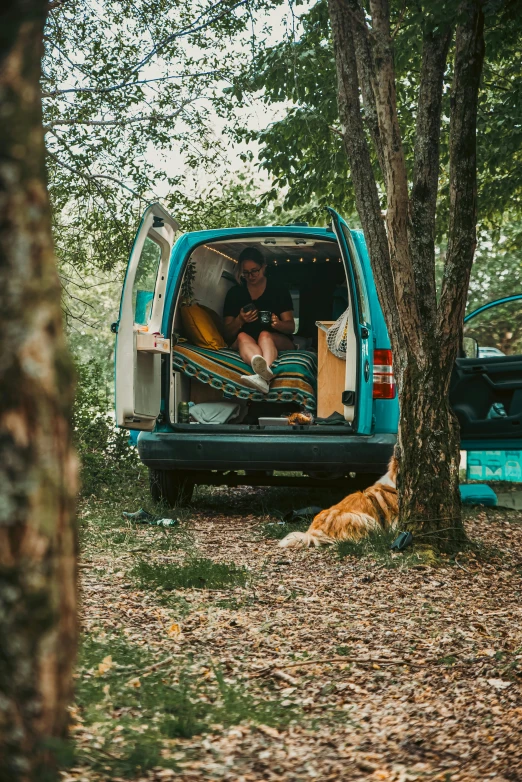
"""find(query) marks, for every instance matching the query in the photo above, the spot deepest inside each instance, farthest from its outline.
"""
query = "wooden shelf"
(331, 377)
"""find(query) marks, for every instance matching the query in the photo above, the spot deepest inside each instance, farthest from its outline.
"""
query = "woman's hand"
(276, 322)
(284, 324)
(248, 317)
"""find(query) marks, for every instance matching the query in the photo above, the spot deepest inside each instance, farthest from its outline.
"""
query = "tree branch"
(366, 75)
(397, 215)
(469, 58)
(120, 122)
(365, 186)
(188, 31)
(103, 90)
(426, 170)
(93, 177)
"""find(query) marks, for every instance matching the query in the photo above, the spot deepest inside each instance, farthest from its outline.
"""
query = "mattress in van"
(295, 373)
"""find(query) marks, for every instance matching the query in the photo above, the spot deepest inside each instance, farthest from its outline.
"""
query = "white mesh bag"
(336, 335)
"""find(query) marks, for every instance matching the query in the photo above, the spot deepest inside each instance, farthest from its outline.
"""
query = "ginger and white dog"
(354, 517)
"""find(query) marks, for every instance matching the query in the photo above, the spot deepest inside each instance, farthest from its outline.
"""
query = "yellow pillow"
(200, 327)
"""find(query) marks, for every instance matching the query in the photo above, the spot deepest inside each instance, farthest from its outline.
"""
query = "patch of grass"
(276, 530)
(103, 527)
(449, 660)
(376, 546)
(130, 718)
(194, 573)
(344, 651)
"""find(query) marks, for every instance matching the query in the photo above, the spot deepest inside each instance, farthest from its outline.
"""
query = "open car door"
(139, 342)
(486, 388)
(358, 395)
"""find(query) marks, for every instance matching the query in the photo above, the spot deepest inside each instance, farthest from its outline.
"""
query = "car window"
(145, 281)
(360, 286)
(497, 330)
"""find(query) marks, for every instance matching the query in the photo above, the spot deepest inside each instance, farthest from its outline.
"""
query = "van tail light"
(383, 380)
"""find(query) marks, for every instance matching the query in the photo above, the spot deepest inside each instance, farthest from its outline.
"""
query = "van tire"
(170, 487)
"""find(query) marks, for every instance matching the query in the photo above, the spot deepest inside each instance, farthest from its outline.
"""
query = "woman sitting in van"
(258, 318)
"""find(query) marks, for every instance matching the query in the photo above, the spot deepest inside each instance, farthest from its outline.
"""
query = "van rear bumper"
(298, 452)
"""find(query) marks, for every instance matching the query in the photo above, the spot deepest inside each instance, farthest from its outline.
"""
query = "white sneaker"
(261, 368)
(254, 381)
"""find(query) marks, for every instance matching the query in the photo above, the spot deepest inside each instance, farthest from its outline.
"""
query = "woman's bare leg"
(248, 347)
(271, 342)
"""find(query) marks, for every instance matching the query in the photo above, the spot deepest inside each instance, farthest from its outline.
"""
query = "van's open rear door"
(358, 398)
(139, 342)
(486, 391)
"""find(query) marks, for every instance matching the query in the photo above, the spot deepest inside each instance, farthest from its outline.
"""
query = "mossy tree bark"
(38, 471)
(425, 332)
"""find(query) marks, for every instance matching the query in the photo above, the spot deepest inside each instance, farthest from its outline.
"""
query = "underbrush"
(107, 459)
(129, 713)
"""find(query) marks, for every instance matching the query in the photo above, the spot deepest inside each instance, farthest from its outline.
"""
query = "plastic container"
(494, 466)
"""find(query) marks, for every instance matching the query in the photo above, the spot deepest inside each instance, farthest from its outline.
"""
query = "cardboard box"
(152, 343)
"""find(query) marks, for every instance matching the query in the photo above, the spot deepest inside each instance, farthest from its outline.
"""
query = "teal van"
(327, 271)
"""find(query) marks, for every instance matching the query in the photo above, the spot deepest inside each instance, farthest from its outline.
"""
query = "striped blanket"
(295, 374)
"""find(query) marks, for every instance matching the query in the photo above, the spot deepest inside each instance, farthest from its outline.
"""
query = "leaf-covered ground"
(294, 665)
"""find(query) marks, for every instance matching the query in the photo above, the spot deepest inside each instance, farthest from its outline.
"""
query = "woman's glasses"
(251, 272)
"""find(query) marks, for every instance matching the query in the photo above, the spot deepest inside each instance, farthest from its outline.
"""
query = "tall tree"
(425, 331)
(303, 149)
(131, 96)
(37, 463)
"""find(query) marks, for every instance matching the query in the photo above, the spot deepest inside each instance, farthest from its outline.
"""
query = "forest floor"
(208, 653)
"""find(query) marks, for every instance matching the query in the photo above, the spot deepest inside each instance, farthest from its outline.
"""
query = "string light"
(213, 249)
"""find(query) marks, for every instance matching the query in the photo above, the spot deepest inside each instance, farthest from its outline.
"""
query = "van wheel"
(170, 487)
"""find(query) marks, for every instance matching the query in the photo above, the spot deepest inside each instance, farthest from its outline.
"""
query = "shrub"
(107, 458)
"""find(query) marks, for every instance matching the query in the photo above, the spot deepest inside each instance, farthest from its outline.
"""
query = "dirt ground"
(317, 667)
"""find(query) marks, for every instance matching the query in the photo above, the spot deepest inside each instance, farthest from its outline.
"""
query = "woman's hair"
(248, 254)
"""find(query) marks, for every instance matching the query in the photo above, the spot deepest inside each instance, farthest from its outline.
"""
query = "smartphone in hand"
(250, 307)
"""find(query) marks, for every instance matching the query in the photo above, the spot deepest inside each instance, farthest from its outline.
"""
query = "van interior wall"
(318, 287)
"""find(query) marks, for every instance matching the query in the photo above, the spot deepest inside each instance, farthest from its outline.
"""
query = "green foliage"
(130, 98)
(303, 150)
(194, 573)
(106, 456)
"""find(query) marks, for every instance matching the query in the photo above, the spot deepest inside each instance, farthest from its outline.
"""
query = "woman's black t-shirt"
(275, 299)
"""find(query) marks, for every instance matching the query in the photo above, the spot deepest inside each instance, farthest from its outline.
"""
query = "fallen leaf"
(174, 630)
(499, 684)
(105, 665)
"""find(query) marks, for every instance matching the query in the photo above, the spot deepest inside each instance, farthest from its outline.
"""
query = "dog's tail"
(331, 526)
(313, 537)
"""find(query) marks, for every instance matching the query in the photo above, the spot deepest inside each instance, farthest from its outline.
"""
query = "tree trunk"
(429, 455)
(38, 470)
(424, 335)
